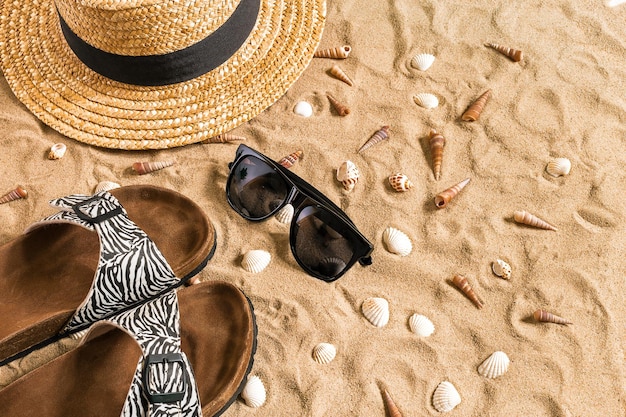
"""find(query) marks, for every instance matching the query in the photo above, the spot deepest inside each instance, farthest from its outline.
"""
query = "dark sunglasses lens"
(256, 190)
(323, 243)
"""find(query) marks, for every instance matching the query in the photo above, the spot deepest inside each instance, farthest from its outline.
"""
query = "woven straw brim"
(60, 90)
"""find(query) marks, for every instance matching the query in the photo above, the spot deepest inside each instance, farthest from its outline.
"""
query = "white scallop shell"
(426, 100)
(376, 311)
(422, 61)
(106, 186)
(558, 167)
(57, 151)
(254, 392)
(397, 241)
(303, 109)
(495, 365)
(446, 397)
(501, 269)
(256, 260)
(324, 353)
(285, 214)
(421, 325)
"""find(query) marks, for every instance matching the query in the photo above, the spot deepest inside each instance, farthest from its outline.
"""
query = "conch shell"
(341, 75)
(379, 136)
(143, 168)
(437, 142)
(339, 52)
(223, 138)
(57, 151)
(525, 217)
(291, 159)
(348, 174)
(475, 109)
(15, 194)
(400, 182)
(513, 54)
(392, 408)
(340, 108)
(546, 317)
(461, 283)
(443, 198)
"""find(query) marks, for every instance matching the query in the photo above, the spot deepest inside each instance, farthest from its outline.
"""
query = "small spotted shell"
(400, 182)
(285, 214)
(426, 100)
(421, 325)
(495, 365)
(106, 186)
(57, 151)
(348, 174)
(501, 269)
(558, 167)
(376, 311)
(254, 392)
(422, 61)
(256, 260)
(324, 353)
(397, 241)
(446, 397)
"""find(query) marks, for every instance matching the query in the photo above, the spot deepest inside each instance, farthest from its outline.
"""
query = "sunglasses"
(323, 240)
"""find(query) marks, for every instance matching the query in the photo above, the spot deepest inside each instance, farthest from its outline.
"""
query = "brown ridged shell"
(289, 160)
(514, 54)
(526, 218)
(378, 136)
(339, 52)
(443, 198)
(143, 168)
(461, 283)
(341, 75)
(475, 109)
(340, 108)
(391, 406)
(546, 317)
(437, 142)
(15, 194)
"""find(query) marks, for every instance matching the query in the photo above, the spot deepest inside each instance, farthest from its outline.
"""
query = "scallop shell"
(223, 138)
(546, 317)
(525, 217)
(495, 365)
(461, 283)
(256, 260)
(501, 269)
(397, 241)
(436, 142)
(339, 52)
(421, 325)
(285, 214)
(340, 108)
(426, 100)
(324, 353)
(392, 408)
(400, 182)
(378, 136)
(443, 198)
(348, 174)
(289, 160)
(57, 151)
(514, 54)
(303, 108)
(446, 397)
(376, 311)
(15, 194)
(558, 167)
(106, 186)
(341, 75)
(254, 392)
(422, 61)
(143, 168)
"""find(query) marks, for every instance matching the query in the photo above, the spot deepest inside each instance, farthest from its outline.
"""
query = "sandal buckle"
(163, 397)
(97, 219)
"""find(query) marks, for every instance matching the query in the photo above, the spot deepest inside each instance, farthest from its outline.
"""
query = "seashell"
(348, 174)
(421, 325)
(253, 392)
(223, 138)
(426, 100)
(391, 406)
(613, 3)
(341, 75)
(79, 334)
(514, 54)
(475, 109)
(291, 159)
(339, 52)
(285, 214)
(525, 217)
(324, 353)
(397, 241)
(400, 182)
(501, 269)
(445, 397)
(461, 283)
(143, 168)
(256, 260)
(558, 167)
(546, 317)
(376, 311)
(443, 198)
(495, 365)
(378, 136)
(303, 109)
(15, 194)
(331, 266)
(57, 151)
(340, 108)
(422, 61)
(437, 142)
(106, 186)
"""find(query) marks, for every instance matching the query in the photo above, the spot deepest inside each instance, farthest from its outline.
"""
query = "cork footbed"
(46, 274)
(218, 335)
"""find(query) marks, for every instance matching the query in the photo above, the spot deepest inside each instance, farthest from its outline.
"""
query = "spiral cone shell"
(558, 167)
(324, 353)
(285, 214)
(461, 283)
(376, 311)
(378, 136)
(15, 194)
(143, 168)
(348, 174)
(340, 108)
(495, 365)
(513, 54)
(397, 241)
(254, 393)
(445, 397)
(223, 138)
(526, 218)
(106, 186)
(443, 198)
(400, 182)
(422, 61)
(289, 160)
(437, 142)
(341, 75)
(57, 151)
(426, 100)
(475, 109)
(391, 406)
(256, 260)
(546, 317)
(339, 52)
(421, 325)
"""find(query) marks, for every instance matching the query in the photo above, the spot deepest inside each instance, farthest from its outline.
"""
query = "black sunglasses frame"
(297, 196)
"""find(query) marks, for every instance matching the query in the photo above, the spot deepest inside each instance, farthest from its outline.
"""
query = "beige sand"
(566, 98)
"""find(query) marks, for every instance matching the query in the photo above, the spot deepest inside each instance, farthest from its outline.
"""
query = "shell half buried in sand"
(445, 397)
(57, 151)
(376, 311)
(256, 260)
(426, 100)
(421, 325)
(253, 392)
(324, 353)
(106, 186)
(396, 241)
(495, 365)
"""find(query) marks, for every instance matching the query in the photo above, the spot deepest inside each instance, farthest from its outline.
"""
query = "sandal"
(59, 278)
(156, 351)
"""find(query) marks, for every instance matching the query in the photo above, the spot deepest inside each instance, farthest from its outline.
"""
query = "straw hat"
(152, 74)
